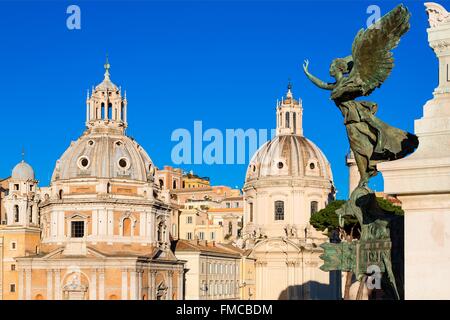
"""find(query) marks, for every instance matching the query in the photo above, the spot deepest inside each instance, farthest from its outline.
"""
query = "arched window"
(294, 121)
(230, 228)
(126, 227)
(184, 184)
(103, 110)
(287, 120)
(251, 211)
(121, 112)
(109, 111)
(61, 193)
(108, 188)
(30, 218)
(174, 184)
(279, 210)
(16, 213)
(314, 207)
(161, 183)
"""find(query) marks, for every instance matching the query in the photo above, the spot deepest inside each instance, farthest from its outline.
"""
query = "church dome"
(104, 156)
(22, 171)
(104, 150)
(289, 156)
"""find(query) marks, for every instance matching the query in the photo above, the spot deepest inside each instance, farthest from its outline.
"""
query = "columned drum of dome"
(288, 179)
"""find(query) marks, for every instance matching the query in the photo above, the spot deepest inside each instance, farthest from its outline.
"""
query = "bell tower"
(105, 107)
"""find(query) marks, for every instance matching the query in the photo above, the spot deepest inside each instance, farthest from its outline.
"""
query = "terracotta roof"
(204, 246)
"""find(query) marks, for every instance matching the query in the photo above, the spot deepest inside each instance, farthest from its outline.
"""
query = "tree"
(327, 219)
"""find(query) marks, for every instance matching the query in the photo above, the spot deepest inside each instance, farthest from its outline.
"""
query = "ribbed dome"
(289, 156)
(103, 155)
(23, 171)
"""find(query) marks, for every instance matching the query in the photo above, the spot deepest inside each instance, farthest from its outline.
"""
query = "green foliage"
(327, 219)
(389, 207)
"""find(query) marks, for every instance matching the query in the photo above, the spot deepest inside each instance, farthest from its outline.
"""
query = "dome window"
(280, 165)
(312, 166)
(254, 168)
(123, 163)
(91, 142)
(83, 162)
(119, 143)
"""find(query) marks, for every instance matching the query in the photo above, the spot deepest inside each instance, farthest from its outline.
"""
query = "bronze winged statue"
(371, 140)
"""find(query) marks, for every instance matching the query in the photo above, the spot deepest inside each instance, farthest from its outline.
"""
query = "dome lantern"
(289, 114)
(105, 108)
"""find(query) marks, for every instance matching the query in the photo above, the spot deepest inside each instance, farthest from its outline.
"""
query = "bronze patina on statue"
(371, 140)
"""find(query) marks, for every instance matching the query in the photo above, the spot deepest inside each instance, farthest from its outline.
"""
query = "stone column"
(58, 292)
(21, 284)
(139, 286)
(28, 283)
(289, 278)
(152, 285)
(169, 284)
(124, 284)
(180, 285)
(422, 180)
(93, 285)
(133, 287)
(49, 284)
(101, 284)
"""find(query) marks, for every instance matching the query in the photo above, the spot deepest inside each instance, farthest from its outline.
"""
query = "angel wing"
(371, 53)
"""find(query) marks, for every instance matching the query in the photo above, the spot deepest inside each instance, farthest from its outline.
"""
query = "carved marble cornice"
(440, 46)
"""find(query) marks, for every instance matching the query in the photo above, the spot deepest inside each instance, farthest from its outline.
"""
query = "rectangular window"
(12, 288)
(228, 204)
(13, 267)
(189, 219)
(13, 246)
(201, 235)
(213, 235)
(16, 186)
(251, 211)
(77, 229)
(189, 236)
(236, 204)
(279, 210)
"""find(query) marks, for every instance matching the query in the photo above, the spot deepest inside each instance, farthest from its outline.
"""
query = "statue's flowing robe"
(372, 138)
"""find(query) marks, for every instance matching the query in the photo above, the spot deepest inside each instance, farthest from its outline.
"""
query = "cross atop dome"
(107, 67)
(289, 87)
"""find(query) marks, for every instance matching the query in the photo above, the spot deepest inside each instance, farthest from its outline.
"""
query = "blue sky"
(224, 63)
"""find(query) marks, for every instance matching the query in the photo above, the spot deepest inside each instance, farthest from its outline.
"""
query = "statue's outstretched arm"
(317, 81)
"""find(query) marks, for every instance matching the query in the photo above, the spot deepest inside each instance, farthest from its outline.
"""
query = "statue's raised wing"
(371, 52)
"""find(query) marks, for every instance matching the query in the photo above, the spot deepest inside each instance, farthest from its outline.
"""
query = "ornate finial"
(289, 87)
(23, 154)
(107, 67)
(125, 94)
(87, 97)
